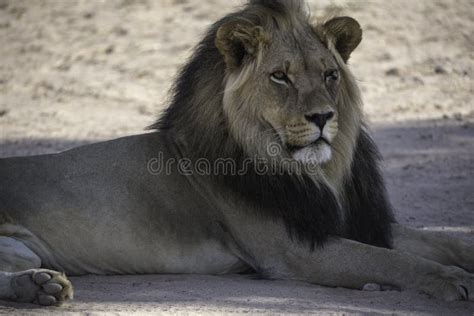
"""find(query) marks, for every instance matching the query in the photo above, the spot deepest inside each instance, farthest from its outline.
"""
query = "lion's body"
(131, 220)
(126, 219)
(261, 77)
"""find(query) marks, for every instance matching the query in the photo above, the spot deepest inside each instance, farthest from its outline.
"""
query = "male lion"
(269, 95)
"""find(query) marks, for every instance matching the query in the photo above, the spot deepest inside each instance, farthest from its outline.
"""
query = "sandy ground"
(75, 72)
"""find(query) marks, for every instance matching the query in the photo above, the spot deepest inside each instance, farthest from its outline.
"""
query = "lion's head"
(285, 78)
(267, 75)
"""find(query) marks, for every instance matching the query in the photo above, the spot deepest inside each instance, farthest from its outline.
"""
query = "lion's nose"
(320, 119)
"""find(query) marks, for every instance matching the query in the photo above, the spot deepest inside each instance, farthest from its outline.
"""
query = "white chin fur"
(314, 154)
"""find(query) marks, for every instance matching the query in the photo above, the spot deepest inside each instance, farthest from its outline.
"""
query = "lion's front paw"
(453, 284)
(40, 286)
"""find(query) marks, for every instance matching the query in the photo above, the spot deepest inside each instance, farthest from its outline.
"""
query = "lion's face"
(298, 91)
(285, 85)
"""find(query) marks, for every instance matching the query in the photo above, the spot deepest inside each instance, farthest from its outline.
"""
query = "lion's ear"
(346, 34)
(237, 39)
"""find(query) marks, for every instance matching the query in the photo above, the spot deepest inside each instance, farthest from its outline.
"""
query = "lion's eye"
(331, 76)
(279, 77)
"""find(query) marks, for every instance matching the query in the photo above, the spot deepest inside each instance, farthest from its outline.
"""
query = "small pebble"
(88, 15)
(120, 31)
(372, 287)
(109, 50)
(393, 72)
(440, 70)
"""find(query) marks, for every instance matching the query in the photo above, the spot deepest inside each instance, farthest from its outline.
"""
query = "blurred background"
(95, 69)
(79, 71)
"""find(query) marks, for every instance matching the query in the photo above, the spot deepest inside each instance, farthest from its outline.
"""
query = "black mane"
(368, 210)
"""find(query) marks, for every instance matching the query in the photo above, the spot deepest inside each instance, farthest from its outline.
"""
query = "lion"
(262, 162)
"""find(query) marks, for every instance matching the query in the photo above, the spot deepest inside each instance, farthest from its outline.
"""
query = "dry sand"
(75, 72)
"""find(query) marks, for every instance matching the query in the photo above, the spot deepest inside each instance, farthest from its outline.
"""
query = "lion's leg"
(435, 246)
(22, 280)
(351, 264)
(346, 263)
